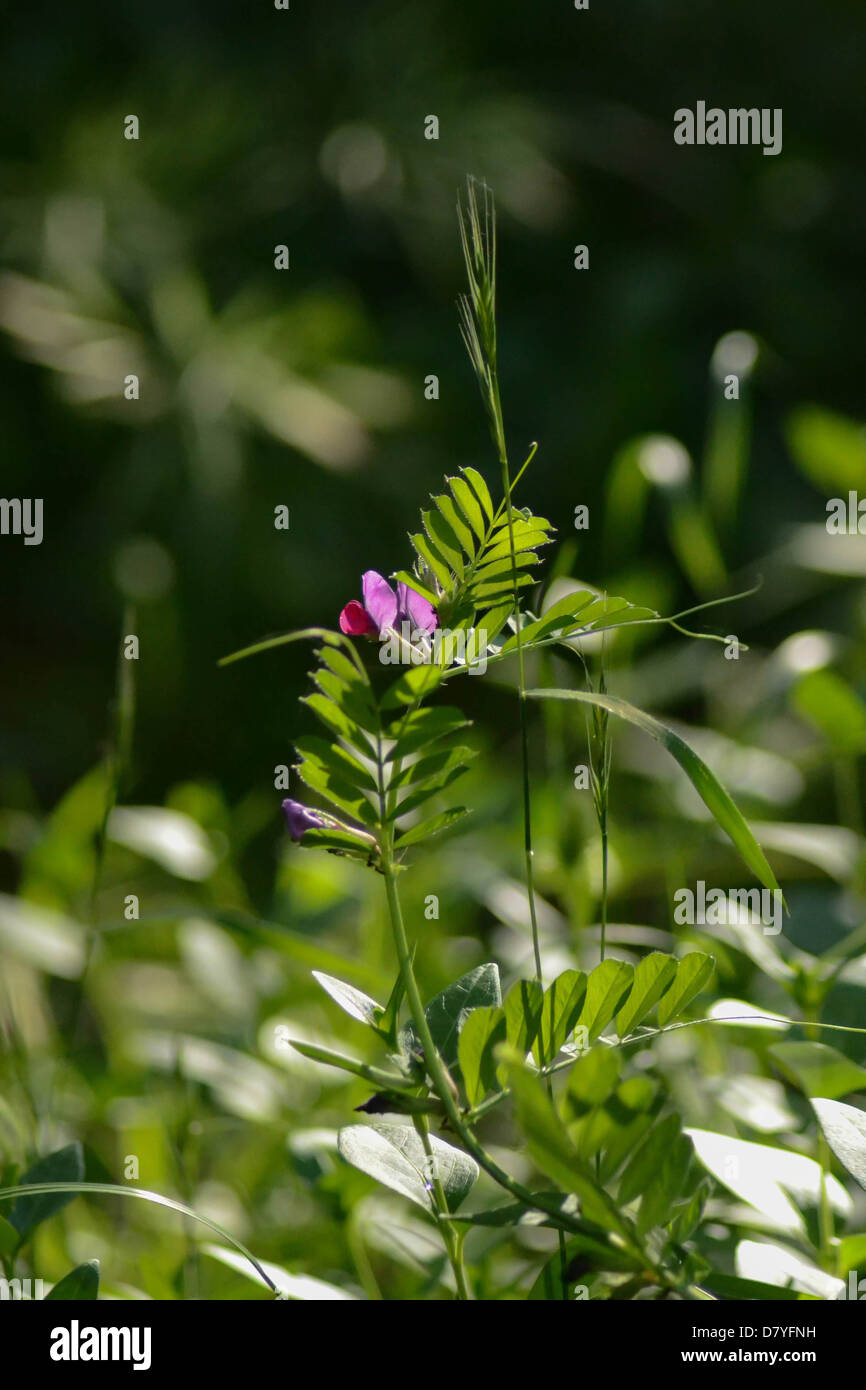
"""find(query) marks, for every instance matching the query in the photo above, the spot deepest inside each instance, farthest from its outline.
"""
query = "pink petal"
(380, 601)
(418, 610)
(355, 621)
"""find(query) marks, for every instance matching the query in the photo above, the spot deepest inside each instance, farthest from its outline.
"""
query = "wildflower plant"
(622, 1184)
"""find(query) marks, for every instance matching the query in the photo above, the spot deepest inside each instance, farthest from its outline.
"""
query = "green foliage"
(80, 1284)
(64, 1165)
(181, 1020)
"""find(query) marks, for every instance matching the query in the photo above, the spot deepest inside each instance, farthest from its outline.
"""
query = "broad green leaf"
(693, 972)
(560, 1011)
(717, 800)
(818, 1070)
(353, 1001)
(447, 1011)
(605, 989)
(845, 1128)
(80, 1284)
(523, 1005)
(767, 1262)
(394, 1155)
(652, 976)
(482, 1032)
(64, 1165)
(764, 1176)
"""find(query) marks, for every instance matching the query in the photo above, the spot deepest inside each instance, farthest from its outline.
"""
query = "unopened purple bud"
(300, 818)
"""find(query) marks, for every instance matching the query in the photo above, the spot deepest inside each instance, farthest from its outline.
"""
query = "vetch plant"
(624, 1185)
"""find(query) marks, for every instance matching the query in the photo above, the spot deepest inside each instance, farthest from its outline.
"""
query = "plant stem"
(604, 887)
(440, 1078)
(453, 1243)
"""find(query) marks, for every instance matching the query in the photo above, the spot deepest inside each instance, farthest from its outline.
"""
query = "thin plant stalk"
(478, 314)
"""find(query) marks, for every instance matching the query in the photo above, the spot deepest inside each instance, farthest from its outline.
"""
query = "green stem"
(440, 1077)
(524, 751)
(604, 886)
(451, 1239)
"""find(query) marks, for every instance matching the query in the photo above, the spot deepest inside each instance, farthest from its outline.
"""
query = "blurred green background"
(305, 388)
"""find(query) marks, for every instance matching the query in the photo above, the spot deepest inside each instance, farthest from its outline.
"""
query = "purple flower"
(382, 609)
(300, 818)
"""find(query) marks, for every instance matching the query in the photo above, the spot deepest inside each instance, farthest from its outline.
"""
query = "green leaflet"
(434, 825)
(693, 972)
(523, 1005)
(80, 1284)
(389, 734)
(352, 1001)
(468, 549)
(482, 1032)
(447, 1011)
(652, 976)
(554, 1153)
(605, 990)
(63, 1166)
(609, 1131)
(845, 1128)
(560, 1010)
(577, 613)
(718, 801)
